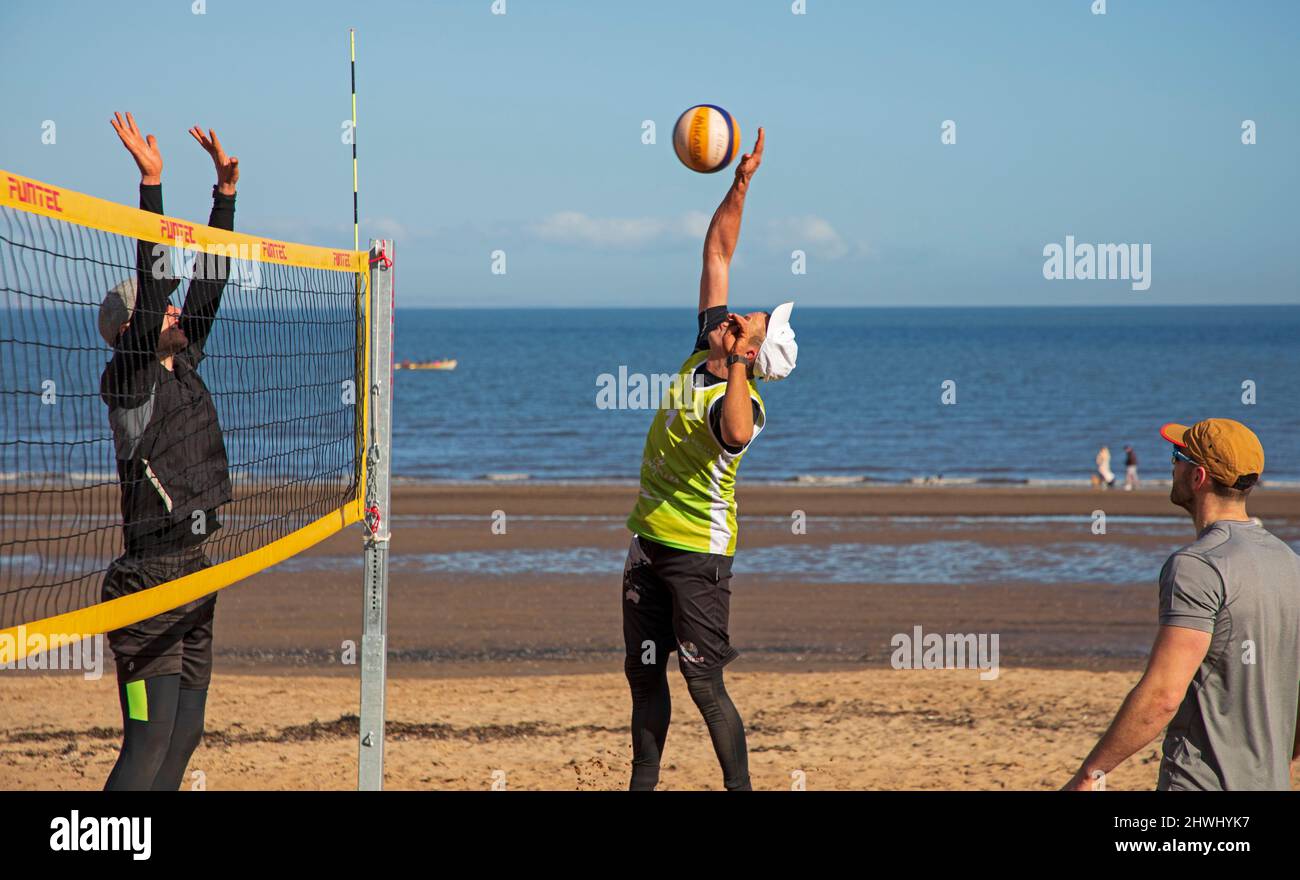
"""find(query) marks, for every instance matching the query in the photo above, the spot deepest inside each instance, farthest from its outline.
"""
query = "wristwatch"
(737, 359)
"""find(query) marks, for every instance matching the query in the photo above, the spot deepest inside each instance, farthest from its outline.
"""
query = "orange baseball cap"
(1228, 450)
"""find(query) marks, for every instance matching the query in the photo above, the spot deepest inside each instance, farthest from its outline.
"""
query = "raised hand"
(749, 163)
(144, 150)
(227, 166)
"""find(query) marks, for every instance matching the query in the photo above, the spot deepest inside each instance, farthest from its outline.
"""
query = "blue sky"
(522, 133)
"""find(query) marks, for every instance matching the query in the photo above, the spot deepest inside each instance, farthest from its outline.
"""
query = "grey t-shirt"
(1236, 726)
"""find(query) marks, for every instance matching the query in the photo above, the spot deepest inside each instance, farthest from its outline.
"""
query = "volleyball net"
(284, 358)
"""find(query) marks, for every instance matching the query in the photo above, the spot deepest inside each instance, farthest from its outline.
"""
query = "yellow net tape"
(35, 197)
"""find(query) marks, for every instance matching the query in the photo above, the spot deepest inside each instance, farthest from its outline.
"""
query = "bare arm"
(724, 231)
(1295, 743)
(737, 422)
(1151, 705)
(204, 297)
(135, 347)
(737, 407)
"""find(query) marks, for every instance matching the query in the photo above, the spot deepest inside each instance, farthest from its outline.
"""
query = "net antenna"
(356, 226)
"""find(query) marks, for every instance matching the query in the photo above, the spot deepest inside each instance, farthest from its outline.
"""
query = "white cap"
(118, 306)
(116, 309)
(777, 354)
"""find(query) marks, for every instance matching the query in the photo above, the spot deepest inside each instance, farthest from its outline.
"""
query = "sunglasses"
(1178, 456)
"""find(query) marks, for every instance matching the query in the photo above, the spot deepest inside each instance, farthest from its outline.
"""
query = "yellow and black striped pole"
(356, 228)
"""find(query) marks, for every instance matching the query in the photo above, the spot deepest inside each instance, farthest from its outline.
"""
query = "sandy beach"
(866, 729)
(506, 645)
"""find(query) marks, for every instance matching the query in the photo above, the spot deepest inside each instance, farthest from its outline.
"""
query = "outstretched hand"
(227, 166)
(144, 150)
(749, 163)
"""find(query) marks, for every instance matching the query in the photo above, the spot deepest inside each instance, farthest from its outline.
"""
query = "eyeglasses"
(1178, 456)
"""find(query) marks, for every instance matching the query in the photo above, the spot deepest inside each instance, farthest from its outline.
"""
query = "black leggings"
(652, 710)
(155, 752)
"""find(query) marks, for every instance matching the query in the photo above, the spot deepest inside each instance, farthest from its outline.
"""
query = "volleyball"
(706, 138)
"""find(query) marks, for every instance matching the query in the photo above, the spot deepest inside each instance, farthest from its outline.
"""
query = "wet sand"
(480, 622)
(521, 672)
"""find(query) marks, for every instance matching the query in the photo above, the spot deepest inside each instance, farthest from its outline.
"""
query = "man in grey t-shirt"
(1224, 673)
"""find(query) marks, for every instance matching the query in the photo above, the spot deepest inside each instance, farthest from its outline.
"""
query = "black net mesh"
(281, 364)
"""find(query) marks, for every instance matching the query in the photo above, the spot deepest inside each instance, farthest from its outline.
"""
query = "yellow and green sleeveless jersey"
(688, 479)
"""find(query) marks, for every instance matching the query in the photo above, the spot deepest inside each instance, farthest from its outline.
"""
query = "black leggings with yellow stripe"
(163, 724)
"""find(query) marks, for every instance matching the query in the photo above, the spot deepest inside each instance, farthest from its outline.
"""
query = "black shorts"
(174, 642)
(679, 601)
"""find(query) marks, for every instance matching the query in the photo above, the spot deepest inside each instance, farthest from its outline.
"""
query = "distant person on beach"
(172, 468)
(1103, 467)
(677, 579)
(1130, 469)
(1224, 672)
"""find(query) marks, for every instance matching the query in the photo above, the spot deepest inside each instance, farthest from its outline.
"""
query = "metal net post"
(374, 633)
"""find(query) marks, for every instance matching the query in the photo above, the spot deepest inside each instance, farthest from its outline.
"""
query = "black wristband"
(737, 359)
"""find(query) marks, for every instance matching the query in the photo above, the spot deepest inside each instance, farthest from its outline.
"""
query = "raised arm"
(724, 230)
(139, 341)
(204, 297)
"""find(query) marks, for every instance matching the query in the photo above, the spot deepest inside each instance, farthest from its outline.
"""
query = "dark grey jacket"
(171, 457)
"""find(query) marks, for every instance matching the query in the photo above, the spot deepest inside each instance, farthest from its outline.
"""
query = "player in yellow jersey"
(676, 583)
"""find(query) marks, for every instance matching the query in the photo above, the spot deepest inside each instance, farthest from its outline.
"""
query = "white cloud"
(327, 233)
(577, 228)
(574, 227)
(809, 233)
(384, 227)
(695, 224)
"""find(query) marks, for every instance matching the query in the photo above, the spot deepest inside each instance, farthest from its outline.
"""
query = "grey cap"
(119, 305)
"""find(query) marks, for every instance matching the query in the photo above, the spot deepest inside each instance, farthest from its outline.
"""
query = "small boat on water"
(445, 364)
